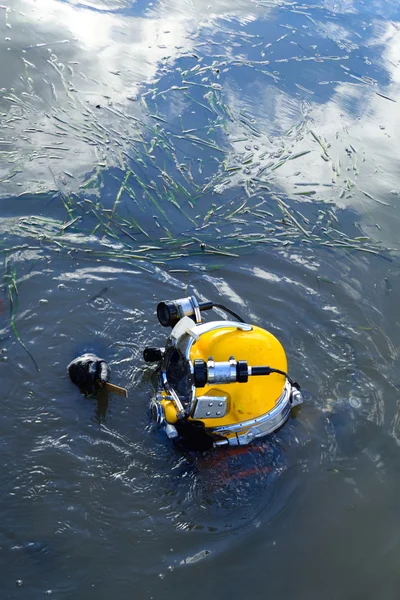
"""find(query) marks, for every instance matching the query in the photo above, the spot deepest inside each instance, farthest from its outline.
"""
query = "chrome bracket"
(210, 407)
(296, 397)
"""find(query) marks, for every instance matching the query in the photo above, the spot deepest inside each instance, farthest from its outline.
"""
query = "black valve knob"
(242, 371)
(200, 373)
(152, 354)
(168, 313)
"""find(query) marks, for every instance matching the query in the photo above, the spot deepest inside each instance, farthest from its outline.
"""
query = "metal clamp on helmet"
(296, 397)
(231, 371)
(211, 372)
(170, 311)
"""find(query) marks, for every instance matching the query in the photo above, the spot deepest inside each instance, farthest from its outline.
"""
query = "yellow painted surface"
(169, 411)
(245, 400)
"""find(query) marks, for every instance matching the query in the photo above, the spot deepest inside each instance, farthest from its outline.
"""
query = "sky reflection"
(301, 100)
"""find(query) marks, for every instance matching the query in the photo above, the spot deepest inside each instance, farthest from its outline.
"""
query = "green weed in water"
(10, 280)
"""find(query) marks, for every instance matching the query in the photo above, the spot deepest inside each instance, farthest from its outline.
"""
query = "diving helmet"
(228, 376)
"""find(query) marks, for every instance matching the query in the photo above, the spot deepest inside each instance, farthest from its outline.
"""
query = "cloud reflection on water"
(66, 59)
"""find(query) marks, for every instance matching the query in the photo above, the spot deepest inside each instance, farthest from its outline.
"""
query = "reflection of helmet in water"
(228, 376)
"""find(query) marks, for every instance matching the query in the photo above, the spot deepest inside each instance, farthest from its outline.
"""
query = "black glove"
(89, 373)
(193, 436)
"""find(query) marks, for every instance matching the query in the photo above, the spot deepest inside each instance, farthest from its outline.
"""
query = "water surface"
(245, 152)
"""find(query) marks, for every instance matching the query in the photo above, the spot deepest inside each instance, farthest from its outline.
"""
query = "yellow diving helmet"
(227, 376)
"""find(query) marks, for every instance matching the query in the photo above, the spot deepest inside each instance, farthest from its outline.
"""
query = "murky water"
(245, 152)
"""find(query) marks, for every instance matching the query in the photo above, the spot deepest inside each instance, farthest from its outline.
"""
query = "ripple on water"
(101, 489)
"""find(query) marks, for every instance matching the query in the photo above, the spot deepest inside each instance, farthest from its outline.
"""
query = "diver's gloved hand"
(193, 436)
(89, 373)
